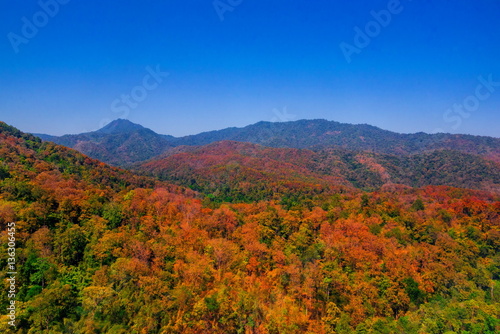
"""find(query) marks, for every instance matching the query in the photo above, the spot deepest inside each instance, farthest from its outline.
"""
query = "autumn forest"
(239, 234)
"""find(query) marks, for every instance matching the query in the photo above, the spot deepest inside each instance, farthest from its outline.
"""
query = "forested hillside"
(102, 250)
(320, 133)
(234, 172)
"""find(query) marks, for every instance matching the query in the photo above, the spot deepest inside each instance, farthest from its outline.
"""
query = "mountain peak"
(120, 126)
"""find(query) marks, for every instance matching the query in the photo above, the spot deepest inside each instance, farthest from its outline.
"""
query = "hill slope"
(26, 156)
(234, 171)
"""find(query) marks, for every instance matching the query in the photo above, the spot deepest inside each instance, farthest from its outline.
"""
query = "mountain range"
(315, 156)
(122, 142)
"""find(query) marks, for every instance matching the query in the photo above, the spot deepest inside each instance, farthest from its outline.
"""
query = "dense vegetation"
(235, 172)
(101, 250)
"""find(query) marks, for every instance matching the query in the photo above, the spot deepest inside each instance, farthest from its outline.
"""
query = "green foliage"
(4, 172)
(113, 214)
(20, 190)
(416, 295)
(49, 309)
(70, 245)
(418, 205)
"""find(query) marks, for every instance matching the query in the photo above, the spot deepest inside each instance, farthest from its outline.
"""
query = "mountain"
(120, 126)
(234, 171)
(123, 142)
(99, 249)
(119, 143)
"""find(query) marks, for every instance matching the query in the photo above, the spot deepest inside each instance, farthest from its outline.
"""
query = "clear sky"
(73, 65)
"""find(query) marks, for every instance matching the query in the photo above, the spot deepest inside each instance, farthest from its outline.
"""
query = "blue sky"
(237, 62)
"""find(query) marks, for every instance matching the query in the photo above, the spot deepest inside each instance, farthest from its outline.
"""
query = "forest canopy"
(103, 250)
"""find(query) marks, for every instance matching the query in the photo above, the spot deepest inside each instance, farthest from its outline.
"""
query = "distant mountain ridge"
(119, 143)
(120, 126)
(123, 143)
(314, 134)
